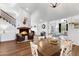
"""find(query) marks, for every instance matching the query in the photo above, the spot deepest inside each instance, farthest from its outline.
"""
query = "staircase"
(8, 18)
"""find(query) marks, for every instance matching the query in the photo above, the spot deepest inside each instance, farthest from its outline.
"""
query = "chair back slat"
(66, 48)
(34, 48)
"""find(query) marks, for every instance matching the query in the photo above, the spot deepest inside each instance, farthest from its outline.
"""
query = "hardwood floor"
(11, 48)
(75, 50)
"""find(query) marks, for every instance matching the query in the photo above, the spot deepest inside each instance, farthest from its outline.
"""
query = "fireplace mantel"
(23, 28)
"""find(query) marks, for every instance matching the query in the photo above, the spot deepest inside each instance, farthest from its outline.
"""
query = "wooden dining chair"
(66, 49)
(34, 48)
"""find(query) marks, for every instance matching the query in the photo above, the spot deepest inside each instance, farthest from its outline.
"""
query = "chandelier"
(54, 5)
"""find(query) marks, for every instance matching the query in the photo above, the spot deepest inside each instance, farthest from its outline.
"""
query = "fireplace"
(23, 31)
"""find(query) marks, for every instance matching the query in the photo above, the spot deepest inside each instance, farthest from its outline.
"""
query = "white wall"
(72, 32)
(10, 31)
(40, 29)
(20, 18)
(47, 29)
(34, 25)
(55, 25)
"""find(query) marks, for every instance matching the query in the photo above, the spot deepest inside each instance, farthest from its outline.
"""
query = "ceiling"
(41, 12)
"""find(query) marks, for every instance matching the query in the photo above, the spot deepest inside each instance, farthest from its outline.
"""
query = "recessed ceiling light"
(62, 20)
(27, 9)
(41, 20)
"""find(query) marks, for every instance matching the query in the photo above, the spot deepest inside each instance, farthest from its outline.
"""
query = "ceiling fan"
(53, 5)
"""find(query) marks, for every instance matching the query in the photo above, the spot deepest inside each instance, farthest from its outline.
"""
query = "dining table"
(47, 47)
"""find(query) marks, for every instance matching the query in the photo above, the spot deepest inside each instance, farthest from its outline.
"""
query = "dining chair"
(34, 48)
(66, 48)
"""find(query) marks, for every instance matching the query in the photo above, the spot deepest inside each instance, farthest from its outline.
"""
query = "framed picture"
(25, 20)
(43, 26)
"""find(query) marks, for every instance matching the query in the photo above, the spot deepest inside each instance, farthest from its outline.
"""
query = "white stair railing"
(7, 17)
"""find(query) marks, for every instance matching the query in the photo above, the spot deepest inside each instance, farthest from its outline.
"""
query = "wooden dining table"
(45, 48)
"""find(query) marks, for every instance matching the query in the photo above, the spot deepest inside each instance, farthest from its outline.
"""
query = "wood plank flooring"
(75, 50)
(11, 48)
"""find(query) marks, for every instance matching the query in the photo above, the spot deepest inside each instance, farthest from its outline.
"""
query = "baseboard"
(76, 44)
(8, 41)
